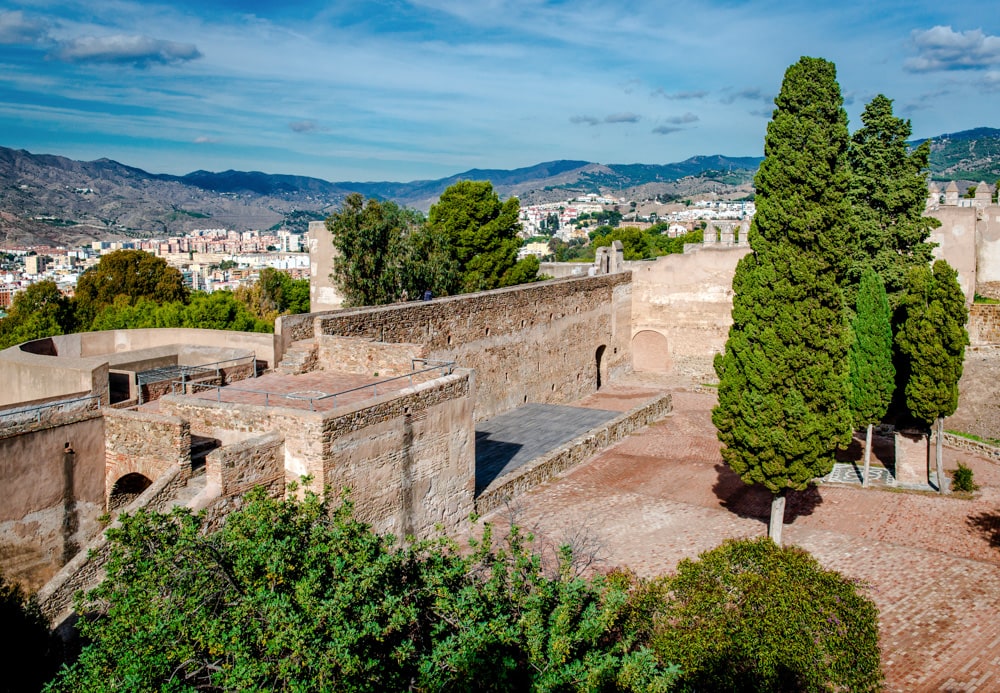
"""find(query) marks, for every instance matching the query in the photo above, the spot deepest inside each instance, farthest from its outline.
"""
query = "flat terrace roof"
(314, 391)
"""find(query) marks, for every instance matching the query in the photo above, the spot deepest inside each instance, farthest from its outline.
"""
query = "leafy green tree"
(289, 595)
(274, 293)
(933, 339)
(752, 616)
(873, 377)
(369, 237)
(783, 378)
(30, 655)
(888, 196)
(482, 233)
(219, 310)
(133, 274)
(39, 311)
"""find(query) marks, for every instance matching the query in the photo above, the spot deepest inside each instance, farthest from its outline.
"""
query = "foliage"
(30, 654)
(963, 480)
(39, 311)
(888, 194)
(133, 274)
(933, 338)
(783, 378)
(986, 300)
(752, 616)
(219, 310)
(369, 237)
(288, 595)
(644, 244)
(274, 293)
(482, 233)
(873, 377)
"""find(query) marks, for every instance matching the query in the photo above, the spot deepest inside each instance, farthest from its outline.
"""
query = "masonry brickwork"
(146, 443)
(550, 342)
(364, 356)
(255, 462)
(984, 324)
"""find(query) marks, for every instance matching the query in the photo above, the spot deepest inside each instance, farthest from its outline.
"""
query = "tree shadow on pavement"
(989, 524)
(883, 452)
(755, 501)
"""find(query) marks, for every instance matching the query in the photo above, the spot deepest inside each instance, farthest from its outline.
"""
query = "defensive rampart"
(550, 342)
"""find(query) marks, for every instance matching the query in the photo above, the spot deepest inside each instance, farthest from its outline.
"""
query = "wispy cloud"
(682, 119)
(15, 28)
(748, 94)
(622, 118)
(943, 48)
(140, 51)
(680, 95)
(305, 126)
(666, 129)
(205, 139)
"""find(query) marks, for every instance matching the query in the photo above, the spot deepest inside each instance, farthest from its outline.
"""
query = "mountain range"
(46, 199)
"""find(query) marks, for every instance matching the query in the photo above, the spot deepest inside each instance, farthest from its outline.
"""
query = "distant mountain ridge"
(46, 198)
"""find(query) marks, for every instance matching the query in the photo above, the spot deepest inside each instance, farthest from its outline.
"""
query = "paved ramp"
(510, 440)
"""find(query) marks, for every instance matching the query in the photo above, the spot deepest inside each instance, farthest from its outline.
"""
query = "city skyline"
(402, 91)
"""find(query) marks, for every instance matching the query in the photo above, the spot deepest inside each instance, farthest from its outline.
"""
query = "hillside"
(55, 200)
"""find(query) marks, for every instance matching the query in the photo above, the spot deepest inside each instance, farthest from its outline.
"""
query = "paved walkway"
(932, 563)
(510, 440)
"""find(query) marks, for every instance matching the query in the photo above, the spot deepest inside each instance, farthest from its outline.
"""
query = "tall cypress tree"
(933, 339)
(873, 377)
(888, 196)
(783, 377)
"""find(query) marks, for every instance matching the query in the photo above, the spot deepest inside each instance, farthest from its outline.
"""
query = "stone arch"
(126, 489)
(650, 352)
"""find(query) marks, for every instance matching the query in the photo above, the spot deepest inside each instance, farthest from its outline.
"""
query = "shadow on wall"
(598, 356)
(127, 489)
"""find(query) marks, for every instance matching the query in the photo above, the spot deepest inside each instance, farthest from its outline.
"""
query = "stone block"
(912, 457)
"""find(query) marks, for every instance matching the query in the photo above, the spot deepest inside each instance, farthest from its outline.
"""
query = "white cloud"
(16, 28)
(680, 95)
(682, 119)
(943, 48)
(615, 118)
(141, 51)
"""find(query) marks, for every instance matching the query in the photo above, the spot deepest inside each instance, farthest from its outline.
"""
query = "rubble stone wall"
(144, 443)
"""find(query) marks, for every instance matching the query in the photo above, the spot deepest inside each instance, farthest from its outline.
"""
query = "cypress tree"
(933, 339)
(888, 196)
(783, 377)
(873, 377)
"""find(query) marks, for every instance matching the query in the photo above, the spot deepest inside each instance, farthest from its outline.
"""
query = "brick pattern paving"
(932, 563)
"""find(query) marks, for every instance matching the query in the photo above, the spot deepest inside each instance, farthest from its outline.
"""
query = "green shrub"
(752, 616)
(962, 480)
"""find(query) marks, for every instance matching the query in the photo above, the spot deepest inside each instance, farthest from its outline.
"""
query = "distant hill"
(55, 200)
(972, 155)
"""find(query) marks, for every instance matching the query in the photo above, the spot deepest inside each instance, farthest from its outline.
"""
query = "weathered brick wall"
(572, 453)
(408, 461)
(978, 394)
(86, 569)
(408, 457)
(536, 342)
(50, 500)
(985, 449)
(237, 468)
(145, 443)
(365, 356)
(984, 324)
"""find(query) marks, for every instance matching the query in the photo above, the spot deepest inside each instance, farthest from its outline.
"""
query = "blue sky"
(398, 90)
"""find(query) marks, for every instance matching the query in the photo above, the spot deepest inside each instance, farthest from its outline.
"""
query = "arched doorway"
(126, 490)
(650, 353)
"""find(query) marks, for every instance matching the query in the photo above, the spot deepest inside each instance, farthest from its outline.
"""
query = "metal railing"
(182, 374)
(311, 398)
(33, 415)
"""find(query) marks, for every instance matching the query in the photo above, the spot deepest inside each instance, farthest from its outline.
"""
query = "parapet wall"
(548, 342)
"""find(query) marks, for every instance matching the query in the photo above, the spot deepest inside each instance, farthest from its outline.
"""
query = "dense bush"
(751, 616)
(962, 479)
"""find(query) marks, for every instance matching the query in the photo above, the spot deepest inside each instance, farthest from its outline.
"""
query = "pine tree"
(933, 339)
(783, 378)
(873, 377)
(888, 195)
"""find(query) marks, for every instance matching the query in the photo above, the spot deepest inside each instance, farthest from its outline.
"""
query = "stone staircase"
(301, 357)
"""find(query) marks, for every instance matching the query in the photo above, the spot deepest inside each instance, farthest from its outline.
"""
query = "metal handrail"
(446, 367)
(9, 414)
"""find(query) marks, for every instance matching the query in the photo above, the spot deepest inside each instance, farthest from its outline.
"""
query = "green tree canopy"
(274, 293)
(482, 233)
(39, 311)
(873, 377)
(888, 195)
(751, 616)
(133, 274)
(783, 378)
(287, 597)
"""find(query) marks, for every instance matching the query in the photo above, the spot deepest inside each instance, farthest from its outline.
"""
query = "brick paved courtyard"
(932, 563)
